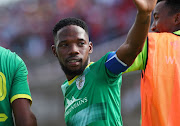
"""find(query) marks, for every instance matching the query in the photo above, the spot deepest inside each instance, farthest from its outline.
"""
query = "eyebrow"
(73, 40)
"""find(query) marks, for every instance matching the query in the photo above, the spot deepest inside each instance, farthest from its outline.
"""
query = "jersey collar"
(177, 32)
(72, 80)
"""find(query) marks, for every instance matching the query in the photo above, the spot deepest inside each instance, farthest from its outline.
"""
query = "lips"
(73, 61)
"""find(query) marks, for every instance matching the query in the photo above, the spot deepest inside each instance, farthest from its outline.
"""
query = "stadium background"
(26, 28)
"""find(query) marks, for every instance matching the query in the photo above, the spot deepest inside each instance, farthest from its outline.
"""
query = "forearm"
(138, 33)
(22, 113)
(135, 38)
(29, 120)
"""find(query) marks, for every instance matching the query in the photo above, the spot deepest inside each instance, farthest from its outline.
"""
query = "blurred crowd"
(26, 26)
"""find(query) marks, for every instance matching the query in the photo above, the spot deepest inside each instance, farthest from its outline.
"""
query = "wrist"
(143, 13)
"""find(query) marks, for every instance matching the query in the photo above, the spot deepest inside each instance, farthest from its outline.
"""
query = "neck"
(70, 77)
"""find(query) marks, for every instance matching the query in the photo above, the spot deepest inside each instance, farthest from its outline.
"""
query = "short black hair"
(174, 5)
(69, 21)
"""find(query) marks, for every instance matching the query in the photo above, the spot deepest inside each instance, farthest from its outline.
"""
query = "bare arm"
(22, 113)
(136, 37)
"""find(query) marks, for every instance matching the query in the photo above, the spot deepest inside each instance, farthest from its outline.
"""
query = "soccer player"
(92, 90)
(14, 91)
(160, 65)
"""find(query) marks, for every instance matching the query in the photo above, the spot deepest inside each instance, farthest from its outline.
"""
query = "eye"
(63, 45)
(155, 17)
(81, 43)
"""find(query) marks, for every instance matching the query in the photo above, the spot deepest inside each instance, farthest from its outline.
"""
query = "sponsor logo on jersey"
(70, 102)
(80, 82)
(175, 44)
(170, 60)
(73, 104)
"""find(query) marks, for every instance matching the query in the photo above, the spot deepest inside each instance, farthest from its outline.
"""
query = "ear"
(53, 48)
(177, 19)
(90, 47)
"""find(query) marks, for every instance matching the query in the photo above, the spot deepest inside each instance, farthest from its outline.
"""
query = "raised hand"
(145, 6)
(137, 35)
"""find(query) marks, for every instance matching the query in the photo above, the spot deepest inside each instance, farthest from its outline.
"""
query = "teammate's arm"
(136, 37)
(140, 61)
(20, 95)
(22, 113)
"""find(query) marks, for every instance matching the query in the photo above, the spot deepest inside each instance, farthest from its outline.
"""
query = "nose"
(73, 49)
(153, 27)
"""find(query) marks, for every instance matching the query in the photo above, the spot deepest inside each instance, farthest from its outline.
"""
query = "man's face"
(163, 21)
(72, 48)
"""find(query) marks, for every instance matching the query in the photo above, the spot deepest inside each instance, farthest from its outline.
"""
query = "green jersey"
(93, 98)
(13, 84)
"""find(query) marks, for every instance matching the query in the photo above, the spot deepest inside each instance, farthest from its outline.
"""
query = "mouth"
(73, 62)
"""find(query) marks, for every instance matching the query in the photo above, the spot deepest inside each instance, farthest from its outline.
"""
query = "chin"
(75, 72)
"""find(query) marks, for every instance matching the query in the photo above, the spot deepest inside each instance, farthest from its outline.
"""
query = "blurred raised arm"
(137, 35)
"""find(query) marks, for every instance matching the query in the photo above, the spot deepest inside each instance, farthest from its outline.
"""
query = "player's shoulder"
(7, 54)
(153, 36)
(99, 63)
(104, 58)
(162, 34)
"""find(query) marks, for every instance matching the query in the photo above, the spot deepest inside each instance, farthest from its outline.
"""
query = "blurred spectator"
(28, 24)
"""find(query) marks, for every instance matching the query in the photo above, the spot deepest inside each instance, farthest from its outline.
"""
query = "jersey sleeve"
(140, 61)
(20, 86)
(114, 64)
